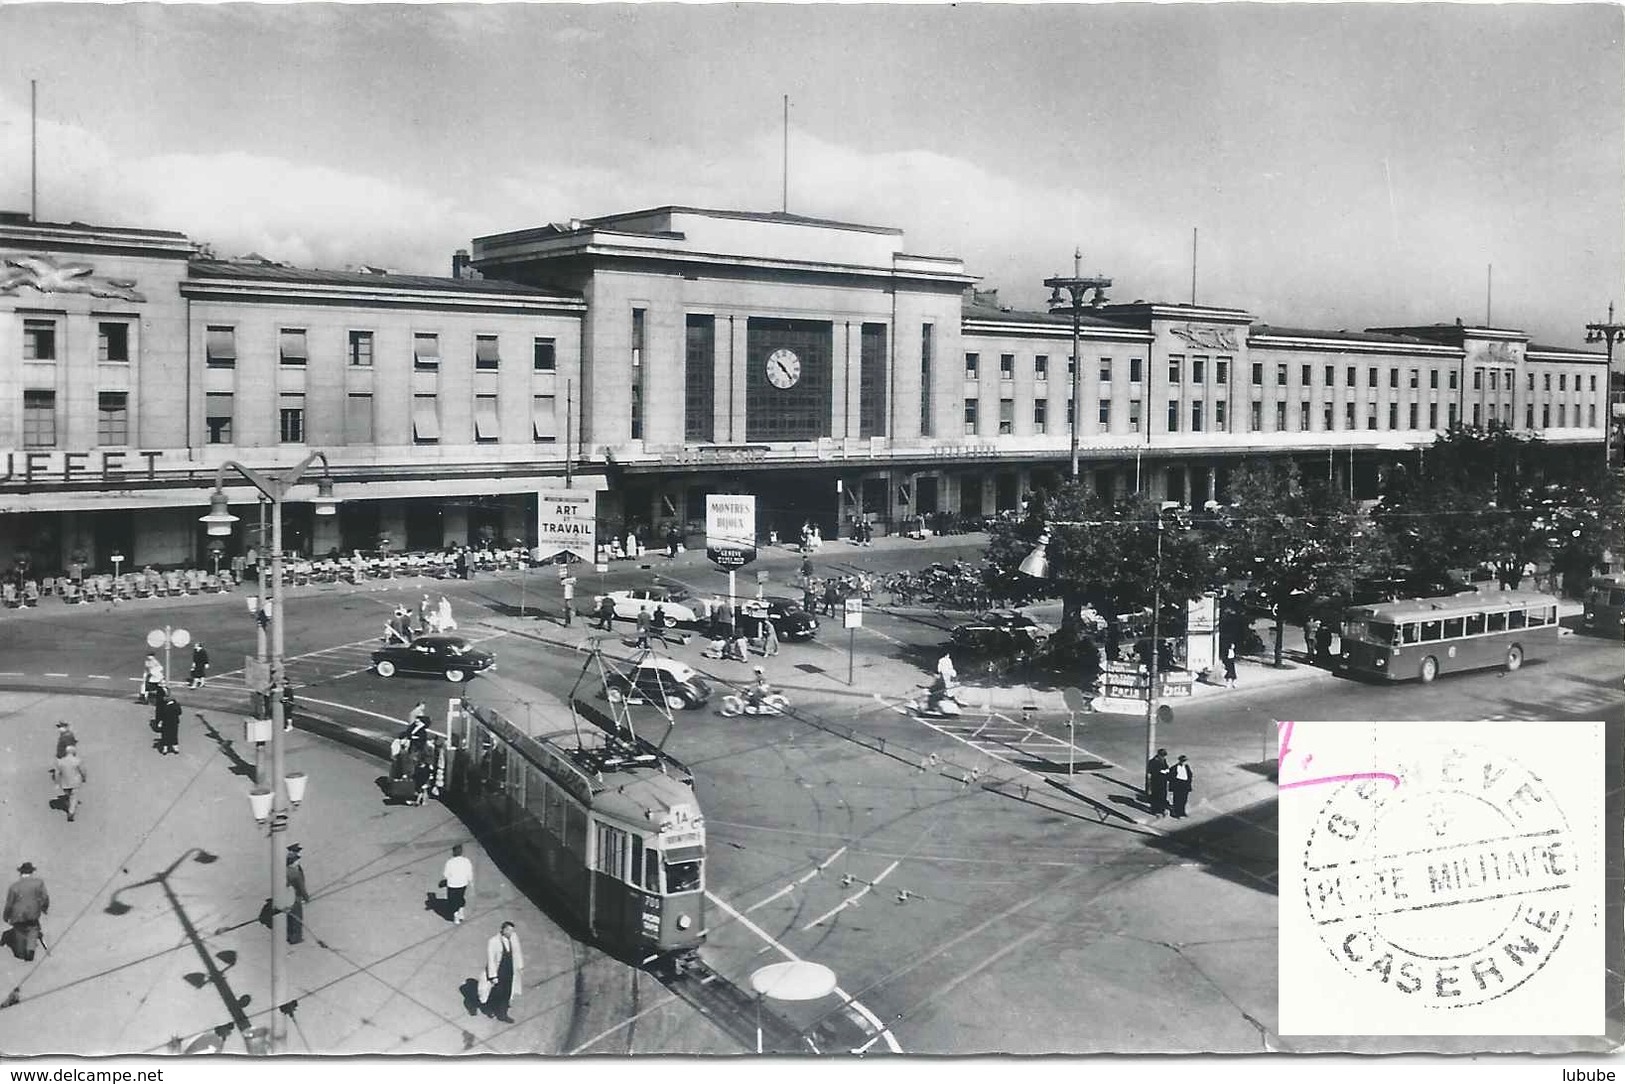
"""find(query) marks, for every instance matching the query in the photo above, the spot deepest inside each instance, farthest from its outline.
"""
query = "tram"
(605, 821)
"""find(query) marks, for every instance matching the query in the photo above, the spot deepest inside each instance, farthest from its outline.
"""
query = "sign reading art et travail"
(33, 468)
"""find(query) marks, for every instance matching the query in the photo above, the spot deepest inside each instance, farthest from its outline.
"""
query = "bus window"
(1430, 631)
(1517, 619)
(1382, 633)
(1497, 622)
(1542, 615)
(1475, 624)
(1452, 628)
(1411, 633)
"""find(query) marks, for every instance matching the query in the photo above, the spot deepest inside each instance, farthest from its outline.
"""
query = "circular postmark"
(1450, 889)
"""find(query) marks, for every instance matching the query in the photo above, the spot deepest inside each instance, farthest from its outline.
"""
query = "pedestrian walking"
(673, 540)
(64, 737)
(422, 775)
(770, 635)
(69, 775)
(301, 895)
(1180, 778)
(288, 706)
(457, 876)
(567, 584)
(443, 612)
(606, 613)
(806, 569)
(169, 725)
(426, 615)
(809, 596)
(1323, 642)
(152, 677)
(200, 665)
(1156, 782)
(1229, 654)
(27, 902)
(643, 629)
(1310, 627)
(832, 596)
(500, 986)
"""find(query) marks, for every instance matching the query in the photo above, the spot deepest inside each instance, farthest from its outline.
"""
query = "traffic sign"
(854, 613)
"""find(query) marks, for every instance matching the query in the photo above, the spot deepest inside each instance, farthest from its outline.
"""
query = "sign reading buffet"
(31, 468)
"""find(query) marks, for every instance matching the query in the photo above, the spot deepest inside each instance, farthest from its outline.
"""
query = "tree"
(1102, 554)
(1297, 543)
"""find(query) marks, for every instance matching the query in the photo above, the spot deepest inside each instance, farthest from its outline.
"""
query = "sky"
(1346, 166)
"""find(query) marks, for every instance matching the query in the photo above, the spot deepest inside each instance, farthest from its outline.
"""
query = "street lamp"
(1607, 333)
(284, 789)
(1077, 289)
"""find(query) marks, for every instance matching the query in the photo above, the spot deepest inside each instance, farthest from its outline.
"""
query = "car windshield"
(682, 876)
(453, 647)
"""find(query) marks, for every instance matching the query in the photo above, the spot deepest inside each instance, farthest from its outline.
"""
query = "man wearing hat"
(69, 774)
(64, 738)
(301, 896)
(26, 903)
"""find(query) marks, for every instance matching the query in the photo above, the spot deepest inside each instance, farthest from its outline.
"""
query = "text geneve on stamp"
(1441, 878)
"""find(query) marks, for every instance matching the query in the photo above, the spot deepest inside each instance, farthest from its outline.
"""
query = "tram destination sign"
(566, 522)
(730, 529)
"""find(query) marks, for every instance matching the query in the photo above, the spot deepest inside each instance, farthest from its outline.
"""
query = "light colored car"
(681, 608)
(659, 680)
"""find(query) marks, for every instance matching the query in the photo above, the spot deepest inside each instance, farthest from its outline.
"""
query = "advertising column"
(730, 535)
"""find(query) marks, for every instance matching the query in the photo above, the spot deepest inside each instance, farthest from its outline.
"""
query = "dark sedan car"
(1001, 632)
(450, 657)
(659, 681)
(790, 621)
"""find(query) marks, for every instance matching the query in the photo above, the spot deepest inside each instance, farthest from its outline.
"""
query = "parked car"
(1001, 632)
(450, 657)
(659, 681)
(681, 607)
(790, 621)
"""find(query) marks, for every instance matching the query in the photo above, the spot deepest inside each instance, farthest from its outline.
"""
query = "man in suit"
(1156, 782)
(1180, 778)
(301, 896)
(26, 903)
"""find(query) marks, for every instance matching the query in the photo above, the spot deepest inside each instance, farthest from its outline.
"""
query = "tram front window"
(682, 876)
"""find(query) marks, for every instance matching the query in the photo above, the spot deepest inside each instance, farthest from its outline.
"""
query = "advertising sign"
(730, 529)
(566, 522)
(853, 615)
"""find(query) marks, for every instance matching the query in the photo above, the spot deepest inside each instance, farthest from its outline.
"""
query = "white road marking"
(803, 879)
(99, 677)
(49, 674)
(763, 903)
(358, 711)
(858, 1006)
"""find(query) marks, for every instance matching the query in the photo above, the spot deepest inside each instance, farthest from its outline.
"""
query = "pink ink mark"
(1318, 780)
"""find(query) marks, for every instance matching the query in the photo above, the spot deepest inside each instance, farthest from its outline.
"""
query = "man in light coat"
(26, 903)
(69, 774)
(504, 960)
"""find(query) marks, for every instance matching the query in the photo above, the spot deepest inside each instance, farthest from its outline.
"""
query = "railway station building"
(658, 356)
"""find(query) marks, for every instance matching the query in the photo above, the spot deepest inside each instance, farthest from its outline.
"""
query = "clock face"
(783, 368)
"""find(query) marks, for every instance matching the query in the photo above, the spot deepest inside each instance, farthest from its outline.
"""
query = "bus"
(1424, 637)
(1605, 606)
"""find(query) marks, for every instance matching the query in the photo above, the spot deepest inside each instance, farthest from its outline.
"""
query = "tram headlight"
(1380, 661)
(684, 922)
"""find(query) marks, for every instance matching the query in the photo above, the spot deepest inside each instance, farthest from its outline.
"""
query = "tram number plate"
(651, 915)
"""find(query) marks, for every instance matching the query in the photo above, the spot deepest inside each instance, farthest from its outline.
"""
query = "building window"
(1303, 416)
(1105, 370)
(361, 349)
(543, 421)
(1531, 381)
(1040, 414)
(1593, 382)
(1591, 413)
(1040, 366)
(1433, 379)
(1413, 410)
(1562, 415)
(217, 413)
(1133, 370)
(1562, 381)
(1331, 375)
(1308, 375)
(39, 419)
(1071, 365)
(543, 358)
(1371, 377)
(970, 415)
(39, 340)
(639, 329)
(1218, 415)
(1393, 415)
(1451, 417)
(1007, 366)
(1280, 375)
(1349, 379)
(1104, 413)
(699, 378)
(486, 353)
(1433, 416)
(291, 348)
(1451, 383)
(426, 351)
(112, 342)
(1416, 378)
(1546, 416)
(220, 348)
(1255, 420)
(1511, 378)
(1196, 417)
(1173, 415)
(1371, 415)
(1134, 415)
(425, 419)
(1007, 417)
(112, 418)
(1495, 380)
(1221, 371)
(1280, 417)
(1198, 370)
(1258, 374)
(1326, 417)
(358, 418)
(1348, 416)
(1071, 406)
(1478, 379)
(971, 362)
(487, 420)
(291, 417)
(1175, 363)
(927, 353)
(872, 380)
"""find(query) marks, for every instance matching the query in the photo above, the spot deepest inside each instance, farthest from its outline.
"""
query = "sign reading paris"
(730, 529)
(566, 522)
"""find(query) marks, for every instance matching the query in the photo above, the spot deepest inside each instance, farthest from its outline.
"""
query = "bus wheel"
(1430, 669)
(1514, 658)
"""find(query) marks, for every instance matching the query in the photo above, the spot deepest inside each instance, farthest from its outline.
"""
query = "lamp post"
(1607, 333)
(1077, 290)
(272, 803)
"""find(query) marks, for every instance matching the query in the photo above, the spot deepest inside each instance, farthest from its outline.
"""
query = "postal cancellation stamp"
(1441, 878)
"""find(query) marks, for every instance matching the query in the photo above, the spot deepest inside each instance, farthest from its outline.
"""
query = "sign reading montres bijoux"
(566, 522)
(730, 529)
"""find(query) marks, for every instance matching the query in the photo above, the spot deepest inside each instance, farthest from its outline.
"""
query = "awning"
(426, 348)
(486, 426)
(485, 349)
(543, 422)
(425, 421)
(222, 344)
(293, 345)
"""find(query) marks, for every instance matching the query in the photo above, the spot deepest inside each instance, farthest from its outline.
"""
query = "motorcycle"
(771, 704)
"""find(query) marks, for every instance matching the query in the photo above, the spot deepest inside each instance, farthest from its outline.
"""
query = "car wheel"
(675, 702)
(1514, 657)
(455, 675)
(1430, 669)
(384, 668)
